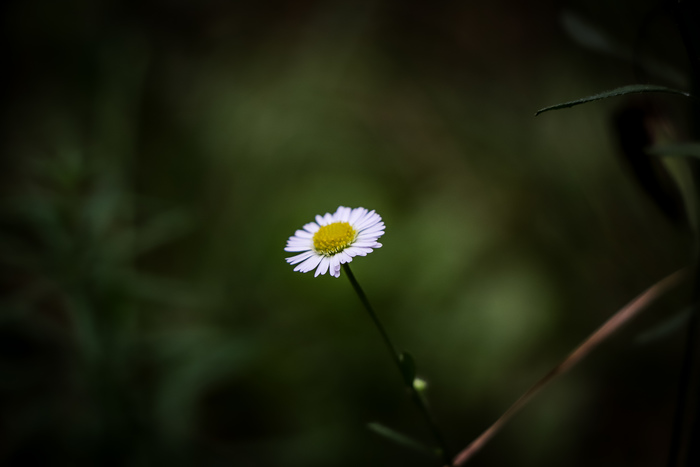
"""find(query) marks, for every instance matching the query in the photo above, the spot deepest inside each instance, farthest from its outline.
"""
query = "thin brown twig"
(606, 330)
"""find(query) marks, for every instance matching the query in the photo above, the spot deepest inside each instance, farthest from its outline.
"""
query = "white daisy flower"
(334, 239)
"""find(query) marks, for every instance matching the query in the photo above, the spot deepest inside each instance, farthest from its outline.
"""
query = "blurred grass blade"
(589, 36)
(614, 323)
(586, 35)
(666, 328)
(676, 150)
(630, 89)
(400, 438)
(408, 367)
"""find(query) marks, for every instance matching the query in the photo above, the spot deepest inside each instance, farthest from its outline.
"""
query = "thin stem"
(415, 395)
(373, 315)
(604, 332)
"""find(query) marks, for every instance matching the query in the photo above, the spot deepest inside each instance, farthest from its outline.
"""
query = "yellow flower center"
(334, 238)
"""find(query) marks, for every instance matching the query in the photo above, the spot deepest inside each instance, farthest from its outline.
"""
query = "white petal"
(309, 264)
(295, 242)
(365, 215)
(335, 266)
(356, 214)
(365, 244)
(299, 258)
(294, 248)
(323, 266)
(307, 243)
(344, 257)
(344, 214)
(364, 237)
(370, 237)
(377, 232)
(373, 227)
(360, 251)
(375, 220)
(354, 251)
(300, 241)
(303, 234)
(369, 221)
(294, 238)
(338, 214)
(311, 227)
(319, 220)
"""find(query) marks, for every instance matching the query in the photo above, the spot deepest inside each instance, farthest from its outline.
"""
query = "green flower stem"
(415, 395)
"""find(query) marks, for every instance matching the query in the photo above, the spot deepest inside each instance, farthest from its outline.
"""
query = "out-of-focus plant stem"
(612, 325)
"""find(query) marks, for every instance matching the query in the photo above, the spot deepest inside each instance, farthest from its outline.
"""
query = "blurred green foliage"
(157, 155)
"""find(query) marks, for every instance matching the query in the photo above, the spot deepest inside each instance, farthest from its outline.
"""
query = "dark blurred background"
(156, 156)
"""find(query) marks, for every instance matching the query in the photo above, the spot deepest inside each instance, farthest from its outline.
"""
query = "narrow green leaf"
(408, 367)
(400, 438)
(630, 89)
(676, 150)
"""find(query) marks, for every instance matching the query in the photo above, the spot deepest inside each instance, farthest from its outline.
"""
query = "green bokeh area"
(157, 155)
